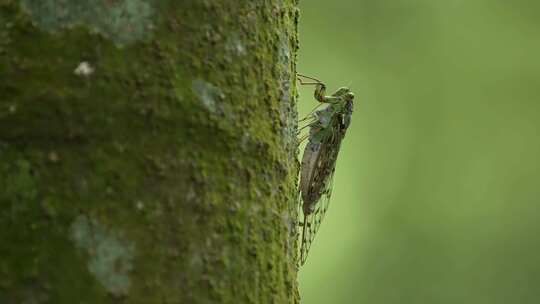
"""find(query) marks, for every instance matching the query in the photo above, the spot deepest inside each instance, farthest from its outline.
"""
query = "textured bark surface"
(147, 151)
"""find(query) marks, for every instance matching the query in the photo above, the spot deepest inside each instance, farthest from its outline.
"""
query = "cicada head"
(341, 91)
(349, 96)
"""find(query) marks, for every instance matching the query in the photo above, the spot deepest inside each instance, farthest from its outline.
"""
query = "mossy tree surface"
(147, 151)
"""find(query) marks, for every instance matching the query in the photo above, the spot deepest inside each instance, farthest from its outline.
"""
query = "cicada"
(327, 128)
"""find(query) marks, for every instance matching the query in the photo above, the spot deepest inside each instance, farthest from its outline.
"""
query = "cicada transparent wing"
(316, 193)
(313, 221)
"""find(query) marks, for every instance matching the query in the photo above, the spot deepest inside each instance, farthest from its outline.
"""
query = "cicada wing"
(317, 181)
(313, 221)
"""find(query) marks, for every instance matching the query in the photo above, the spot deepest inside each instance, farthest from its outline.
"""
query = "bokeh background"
(437, 189)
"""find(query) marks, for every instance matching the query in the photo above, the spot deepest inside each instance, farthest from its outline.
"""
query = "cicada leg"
(311, 113)
(307, 117)
(302, 128)
(300, 76)
(320, 87)
(307, 123)
(309, 120)
(303, 138)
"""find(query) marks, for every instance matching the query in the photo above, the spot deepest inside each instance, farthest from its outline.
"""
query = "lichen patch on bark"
(209, 95)
(122, 21)
(235, 45)
(84, 69)
(110, 258)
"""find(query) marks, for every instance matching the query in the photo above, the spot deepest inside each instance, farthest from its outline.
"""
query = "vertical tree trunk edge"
(148, 151)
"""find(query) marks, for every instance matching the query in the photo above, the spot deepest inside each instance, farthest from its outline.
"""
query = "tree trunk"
(147, 151)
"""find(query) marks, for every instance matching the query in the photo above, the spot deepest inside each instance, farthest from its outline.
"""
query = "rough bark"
(147, 151)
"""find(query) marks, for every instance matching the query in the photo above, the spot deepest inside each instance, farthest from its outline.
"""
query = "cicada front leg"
(320, 90)
(320, 87)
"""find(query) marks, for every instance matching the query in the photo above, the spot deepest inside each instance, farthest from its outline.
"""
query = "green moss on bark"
(174, 151)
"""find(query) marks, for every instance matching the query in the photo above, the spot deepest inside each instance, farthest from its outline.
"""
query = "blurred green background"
(437, 189)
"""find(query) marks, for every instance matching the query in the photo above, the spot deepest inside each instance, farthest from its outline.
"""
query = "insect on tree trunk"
(147, 151)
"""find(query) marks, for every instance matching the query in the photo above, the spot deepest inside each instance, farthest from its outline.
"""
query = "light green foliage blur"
(437, 189)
